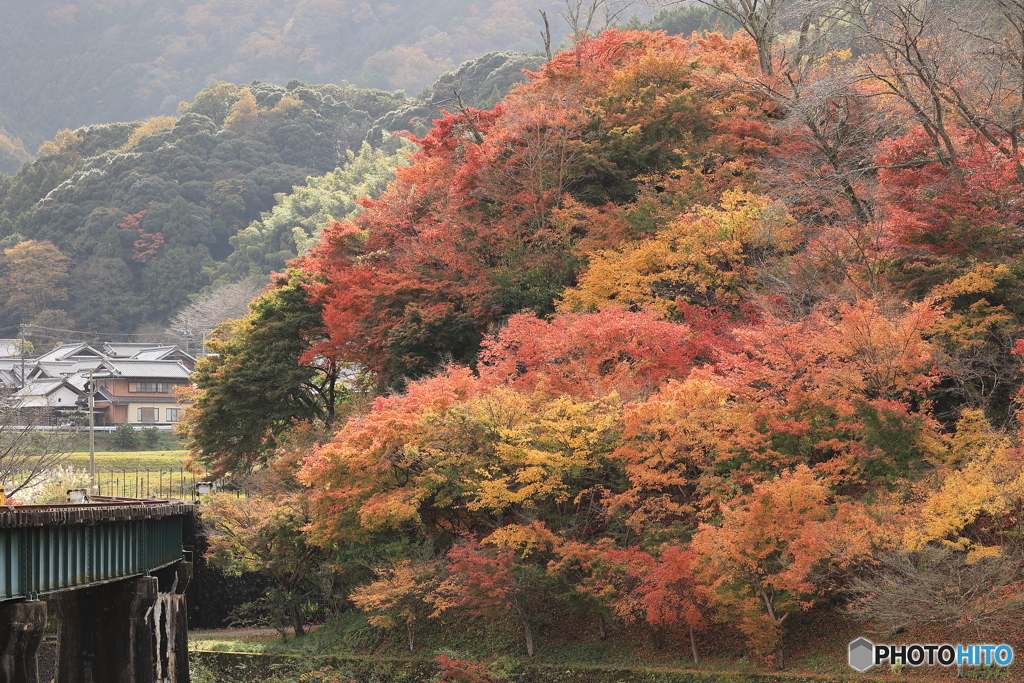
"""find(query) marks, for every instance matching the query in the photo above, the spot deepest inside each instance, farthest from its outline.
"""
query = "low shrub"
(125, 437)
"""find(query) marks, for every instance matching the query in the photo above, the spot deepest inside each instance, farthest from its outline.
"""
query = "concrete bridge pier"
(122, 632)
(21, 631)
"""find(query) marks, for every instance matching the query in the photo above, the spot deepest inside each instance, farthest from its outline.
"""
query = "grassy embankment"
(569, 650)
(166, 441)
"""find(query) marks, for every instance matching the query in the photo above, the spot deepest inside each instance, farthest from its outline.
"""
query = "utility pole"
(92, 434)
(21, 352)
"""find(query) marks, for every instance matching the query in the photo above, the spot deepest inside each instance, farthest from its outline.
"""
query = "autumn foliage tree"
(687, 330)
(488, 583)
(33, 278)
(593, 354)
(400, 594)
(496, 457)
(708, 258)
(659, 588)
(773, 552)
(264, 533)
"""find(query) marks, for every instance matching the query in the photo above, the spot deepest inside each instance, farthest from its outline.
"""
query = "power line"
(24, 326)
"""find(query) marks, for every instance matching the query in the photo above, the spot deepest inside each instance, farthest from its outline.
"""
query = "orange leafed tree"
(772, 554)
(673, 446)
(400, 595)
(33, 277)
(592, 355)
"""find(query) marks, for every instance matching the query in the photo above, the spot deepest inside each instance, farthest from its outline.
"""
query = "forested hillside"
(116, 225)
(67, 64)
(683, 332)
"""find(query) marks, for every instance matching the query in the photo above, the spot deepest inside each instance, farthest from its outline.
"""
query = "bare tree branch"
(189, 326)
(940, 587)
(587, 18)
(32, 442)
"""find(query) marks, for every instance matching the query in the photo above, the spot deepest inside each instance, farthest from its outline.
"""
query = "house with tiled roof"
(76, 351)
(11, 375)
(57, 393)
(149, 352)
(138, 391)
(134, 383)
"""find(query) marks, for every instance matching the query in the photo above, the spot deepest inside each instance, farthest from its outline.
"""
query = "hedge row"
(233, 667)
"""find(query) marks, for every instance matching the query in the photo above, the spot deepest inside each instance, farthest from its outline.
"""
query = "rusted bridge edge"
(102, 509)
(50, 548)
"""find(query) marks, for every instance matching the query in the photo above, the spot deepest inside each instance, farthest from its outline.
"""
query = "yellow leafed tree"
(400, 594)
(148, 127)
(990, 486)
(707, 257)
(244, 116)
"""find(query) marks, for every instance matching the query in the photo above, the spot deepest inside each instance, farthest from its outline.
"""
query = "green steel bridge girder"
(49, 548)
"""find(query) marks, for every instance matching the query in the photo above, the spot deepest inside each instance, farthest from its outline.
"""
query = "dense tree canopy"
(532, 185)
(693, 330)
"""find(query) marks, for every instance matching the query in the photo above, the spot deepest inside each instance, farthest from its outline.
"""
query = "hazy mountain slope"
(143, 221)
(68, 65)
(122, 222)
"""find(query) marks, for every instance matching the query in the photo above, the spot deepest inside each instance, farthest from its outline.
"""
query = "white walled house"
(136, 384)
(47, 393)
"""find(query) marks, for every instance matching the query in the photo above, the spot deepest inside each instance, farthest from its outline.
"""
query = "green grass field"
(139, 474)
(152, 461)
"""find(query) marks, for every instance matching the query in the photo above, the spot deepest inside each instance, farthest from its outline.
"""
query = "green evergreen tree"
(255, 384)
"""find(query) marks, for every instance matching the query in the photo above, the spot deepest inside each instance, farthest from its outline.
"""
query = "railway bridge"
(115, 571)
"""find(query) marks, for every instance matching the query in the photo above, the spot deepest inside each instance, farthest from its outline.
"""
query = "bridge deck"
(48, 548)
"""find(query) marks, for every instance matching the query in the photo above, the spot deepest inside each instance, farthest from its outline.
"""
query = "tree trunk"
(769, 603)
(693, 646)
(546, 34)
(529, 638)
(602, 633)
(297, 620)
(409, 635)
(764, 55)
(526, 630)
